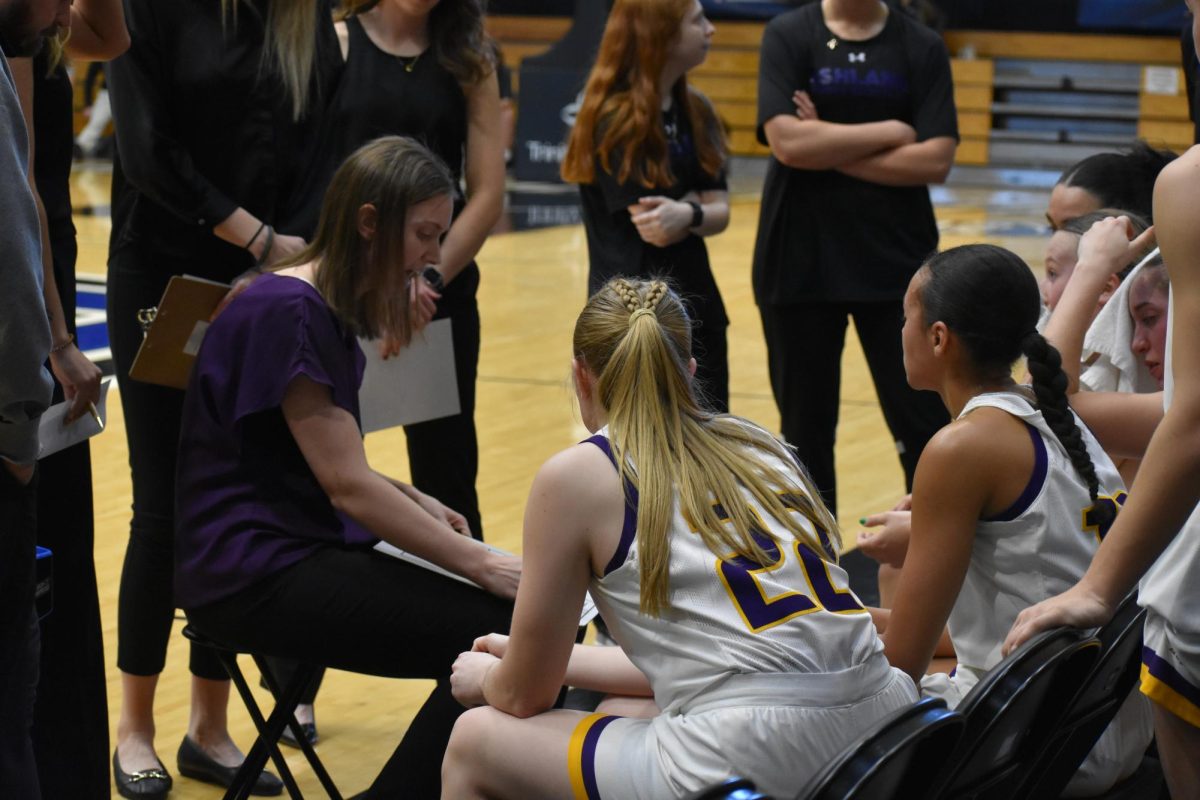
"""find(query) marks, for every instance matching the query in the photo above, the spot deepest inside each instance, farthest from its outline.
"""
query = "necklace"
(410, 62)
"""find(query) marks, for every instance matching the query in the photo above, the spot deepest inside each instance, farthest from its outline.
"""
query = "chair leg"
(265, 745)
(300, 680)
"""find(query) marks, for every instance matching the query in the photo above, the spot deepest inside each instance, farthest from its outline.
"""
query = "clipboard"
(419, 384)
(173, 339)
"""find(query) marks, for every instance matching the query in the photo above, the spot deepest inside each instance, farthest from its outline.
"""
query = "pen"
(95, 415)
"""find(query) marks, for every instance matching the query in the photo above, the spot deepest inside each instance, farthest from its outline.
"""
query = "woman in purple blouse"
(277, 507)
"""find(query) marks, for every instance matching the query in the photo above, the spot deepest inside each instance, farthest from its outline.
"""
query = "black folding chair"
(729, 789)
(1093, 706)
(1010, 712)
(270, 728)
(895, 760)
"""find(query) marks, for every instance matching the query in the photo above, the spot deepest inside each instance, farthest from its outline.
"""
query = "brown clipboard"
(169, 349)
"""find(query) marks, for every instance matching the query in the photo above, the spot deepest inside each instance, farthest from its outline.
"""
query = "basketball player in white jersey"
(1011, 499)
(1161, 514)
(714, 564)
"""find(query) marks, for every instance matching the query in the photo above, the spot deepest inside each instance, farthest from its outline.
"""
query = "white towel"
(1114, 367)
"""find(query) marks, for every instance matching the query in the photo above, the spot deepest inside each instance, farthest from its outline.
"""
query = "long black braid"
(1050, 388)
(989, 298)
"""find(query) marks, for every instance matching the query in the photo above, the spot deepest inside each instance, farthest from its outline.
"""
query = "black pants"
(804, 350)
(18, 636)
(70, 729)
(146, 605)
(711, 351)
(366, 612)
(443, 454)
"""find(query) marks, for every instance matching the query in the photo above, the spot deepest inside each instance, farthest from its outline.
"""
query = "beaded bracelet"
(58, 348)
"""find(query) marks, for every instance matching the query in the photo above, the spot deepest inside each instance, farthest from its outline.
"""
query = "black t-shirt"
(614, 247)
(823, 235)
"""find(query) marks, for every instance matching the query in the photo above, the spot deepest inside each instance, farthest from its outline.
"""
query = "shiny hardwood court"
(533, 287)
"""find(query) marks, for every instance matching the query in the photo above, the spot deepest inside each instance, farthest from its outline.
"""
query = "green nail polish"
(862, 520)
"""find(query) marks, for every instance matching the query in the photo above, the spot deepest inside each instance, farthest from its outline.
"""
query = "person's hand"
(422, 302)
(467, 676)
(284, 246)
(500, 575)
(434, 508)
(661, 221)
(240, 284)
(805, 107)
(23, 473)
(1078, 607)
(80, 379)
(889, 543)
(494, 643)
(1107, 248)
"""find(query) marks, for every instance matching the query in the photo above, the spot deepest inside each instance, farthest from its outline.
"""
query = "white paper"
(54, 436)
(1161, 80)
(589, 607)
(417, 385)
(192, 347)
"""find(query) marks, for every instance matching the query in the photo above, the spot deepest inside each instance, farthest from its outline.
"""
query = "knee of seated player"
(464, 750)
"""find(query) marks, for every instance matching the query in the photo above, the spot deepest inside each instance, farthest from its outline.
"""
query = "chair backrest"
(729, 789)
(1094, 705)
(1010, 712)
(893, 760)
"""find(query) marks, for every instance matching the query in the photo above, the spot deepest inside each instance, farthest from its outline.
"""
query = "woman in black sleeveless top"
(423, 70)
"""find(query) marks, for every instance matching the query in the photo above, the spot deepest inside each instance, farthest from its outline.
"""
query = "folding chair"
(269, 729)
(729, 789)
(1093, 706)
(1010, 712)
(895, 760)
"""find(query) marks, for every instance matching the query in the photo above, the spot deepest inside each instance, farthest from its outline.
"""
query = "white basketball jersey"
(1168, 588)
(730, 616)
(1035, 549)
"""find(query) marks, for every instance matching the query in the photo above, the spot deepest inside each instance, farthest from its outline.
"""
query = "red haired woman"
(649, 156)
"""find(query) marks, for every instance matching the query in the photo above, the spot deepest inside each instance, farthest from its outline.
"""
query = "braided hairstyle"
(964, 282)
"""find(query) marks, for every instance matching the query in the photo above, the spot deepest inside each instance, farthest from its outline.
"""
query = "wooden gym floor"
(533, 287)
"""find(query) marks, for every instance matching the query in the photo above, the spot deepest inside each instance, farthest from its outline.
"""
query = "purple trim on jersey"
(629, 527)
(1166, 673)
(588, 756)
(1036, 480)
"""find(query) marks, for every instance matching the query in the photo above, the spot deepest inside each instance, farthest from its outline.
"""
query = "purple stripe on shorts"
(590, 740)
(1166, 673)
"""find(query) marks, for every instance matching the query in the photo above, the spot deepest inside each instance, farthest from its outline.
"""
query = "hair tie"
(641, 312)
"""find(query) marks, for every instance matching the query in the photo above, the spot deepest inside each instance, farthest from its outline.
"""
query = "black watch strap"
(434, 278)
(697, 214)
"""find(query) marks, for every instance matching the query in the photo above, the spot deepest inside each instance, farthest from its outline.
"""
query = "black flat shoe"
(194, 763)
(146, 784)
(309, 729)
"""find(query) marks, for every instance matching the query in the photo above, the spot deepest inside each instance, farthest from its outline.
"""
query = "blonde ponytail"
(635, 336)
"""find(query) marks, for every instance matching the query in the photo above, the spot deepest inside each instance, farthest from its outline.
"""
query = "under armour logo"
(859, 57)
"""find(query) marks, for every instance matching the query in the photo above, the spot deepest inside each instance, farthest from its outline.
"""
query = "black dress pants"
(804, 351)
(18, 636)
(362, 611)
(443, 454)
(146, 604)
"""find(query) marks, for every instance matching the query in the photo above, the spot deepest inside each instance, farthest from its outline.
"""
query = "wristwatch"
(434, 278)
(697, 214)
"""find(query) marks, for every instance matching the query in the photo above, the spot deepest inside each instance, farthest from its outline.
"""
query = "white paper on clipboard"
(417, 385)
(589, 607)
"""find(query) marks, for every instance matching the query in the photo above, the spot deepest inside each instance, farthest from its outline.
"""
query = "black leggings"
(146, 604)
(804, 350)
(366, 612)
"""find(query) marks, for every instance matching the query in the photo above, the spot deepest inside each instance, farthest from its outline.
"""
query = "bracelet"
(266, 251)
(254, 238)
(58, 348)
(697, 214)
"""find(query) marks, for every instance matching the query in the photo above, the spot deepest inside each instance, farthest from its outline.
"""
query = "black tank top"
(381, 94)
